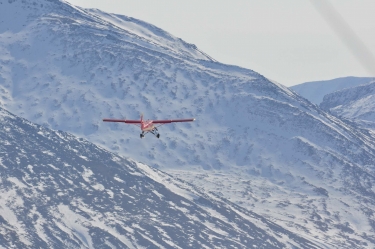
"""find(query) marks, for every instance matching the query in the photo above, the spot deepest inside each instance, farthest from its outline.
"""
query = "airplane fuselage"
(147, 125)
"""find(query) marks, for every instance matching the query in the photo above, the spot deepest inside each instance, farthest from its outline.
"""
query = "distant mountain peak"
(355, 103)
(316, 90)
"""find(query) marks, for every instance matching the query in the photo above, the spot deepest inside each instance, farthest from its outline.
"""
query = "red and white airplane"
(148, 125)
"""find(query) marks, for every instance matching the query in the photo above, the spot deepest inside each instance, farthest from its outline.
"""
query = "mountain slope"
(254, 141)
(316, 90)
(59, 191)
(356, 104)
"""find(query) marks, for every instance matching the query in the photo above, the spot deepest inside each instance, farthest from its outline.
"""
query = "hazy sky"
(289, 41)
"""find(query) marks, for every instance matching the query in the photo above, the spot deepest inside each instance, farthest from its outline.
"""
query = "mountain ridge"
(67, 71)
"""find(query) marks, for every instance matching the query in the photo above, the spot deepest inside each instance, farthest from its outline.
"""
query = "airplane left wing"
(127, 121)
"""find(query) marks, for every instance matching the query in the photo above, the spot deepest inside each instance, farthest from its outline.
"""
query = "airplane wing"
(128, 121)
(172, 121)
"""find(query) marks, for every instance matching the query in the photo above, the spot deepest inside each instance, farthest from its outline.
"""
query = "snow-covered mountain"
(316, 90)
(355, 103)
(351, 98)
(60, 191)
(254, 142)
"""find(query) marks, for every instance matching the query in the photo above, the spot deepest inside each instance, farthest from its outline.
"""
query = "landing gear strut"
(154, 131)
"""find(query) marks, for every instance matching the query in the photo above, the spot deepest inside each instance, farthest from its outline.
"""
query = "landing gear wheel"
(158, 135)
(141, 135)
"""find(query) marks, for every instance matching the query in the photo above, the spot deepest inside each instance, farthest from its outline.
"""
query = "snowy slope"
(356, 104)
(255, 142)
(60, 191)
(316, 90)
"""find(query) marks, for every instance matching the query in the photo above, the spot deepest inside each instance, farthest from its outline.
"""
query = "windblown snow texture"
(60, 191)
(254, 142)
